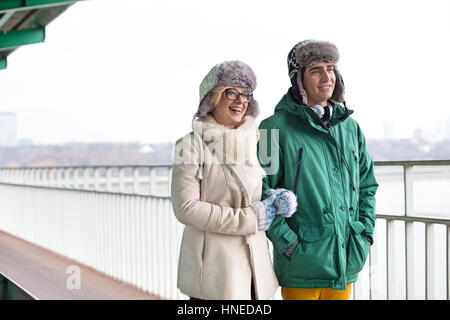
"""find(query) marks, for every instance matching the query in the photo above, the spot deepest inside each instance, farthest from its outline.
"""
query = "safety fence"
(119, 221)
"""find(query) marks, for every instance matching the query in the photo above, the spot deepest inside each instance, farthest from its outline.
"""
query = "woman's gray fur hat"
(229, 73)
(304, 54)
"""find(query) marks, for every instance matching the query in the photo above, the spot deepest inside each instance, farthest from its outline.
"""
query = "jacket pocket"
(313, 258)
(357, 248)
(299, 166)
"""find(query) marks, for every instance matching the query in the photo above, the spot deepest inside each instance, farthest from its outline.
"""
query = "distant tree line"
(86, 154)
(79, 154)
(384, 150)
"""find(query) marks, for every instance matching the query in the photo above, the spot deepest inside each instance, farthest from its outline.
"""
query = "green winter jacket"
(332, 175)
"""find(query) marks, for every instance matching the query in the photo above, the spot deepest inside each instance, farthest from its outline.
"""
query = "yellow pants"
(315, 293)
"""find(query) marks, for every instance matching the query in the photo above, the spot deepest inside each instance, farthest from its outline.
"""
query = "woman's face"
(232, 106)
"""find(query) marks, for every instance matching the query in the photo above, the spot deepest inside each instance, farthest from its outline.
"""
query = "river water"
(431, 191)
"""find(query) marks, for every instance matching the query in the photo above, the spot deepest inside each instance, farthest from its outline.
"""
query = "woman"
(216, 192)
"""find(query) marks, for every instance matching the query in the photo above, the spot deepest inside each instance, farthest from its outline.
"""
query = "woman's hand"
(285, 202)
(265, 212)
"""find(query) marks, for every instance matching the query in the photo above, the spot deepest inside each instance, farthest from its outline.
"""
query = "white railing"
(142, 180)
(410, 256)
(119, 220)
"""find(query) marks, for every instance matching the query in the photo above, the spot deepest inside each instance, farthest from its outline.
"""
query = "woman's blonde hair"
(216, 94)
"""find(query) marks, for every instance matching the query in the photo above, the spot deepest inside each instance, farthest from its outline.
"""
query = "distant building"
(8, 129)
(422, 140)
(146, 149)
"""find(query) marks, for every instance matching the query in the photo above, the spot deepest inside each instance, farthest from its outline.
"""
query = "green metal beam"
(10, 291)
(15, 38)
(21, 4)
(3, 63)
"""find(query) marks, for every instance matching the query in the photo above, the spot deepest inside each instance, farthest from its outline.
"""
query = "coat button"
(343, 208)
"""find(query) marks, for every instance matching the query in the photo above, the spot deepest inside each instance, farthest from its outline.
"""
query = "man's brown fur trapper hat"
(304, 54)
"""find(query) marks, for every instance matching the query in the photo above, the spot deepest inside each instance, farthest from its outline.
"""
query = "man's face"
(318, 81)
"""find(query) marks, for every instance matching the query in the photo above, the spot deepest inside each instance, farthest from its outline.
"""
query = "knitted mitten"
(265, 212)
(270, 192)
(286, 201)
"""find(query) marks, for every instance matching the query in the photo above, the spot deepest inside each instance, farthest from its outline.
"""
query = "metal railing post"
(109, 182)
(122, 178)
(136, 180)
(409, 228)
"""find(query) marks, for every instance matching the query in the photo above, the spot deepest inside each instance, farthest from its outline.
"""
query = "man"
(321, 155)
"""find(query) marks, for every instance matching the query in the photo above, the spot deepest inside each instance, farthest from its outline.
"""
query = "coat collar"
(230, 146)
(288, 104)
(209, 128)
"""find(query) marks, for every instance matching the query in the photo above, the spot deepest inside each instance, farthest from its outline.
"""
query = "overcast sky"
(129, 71)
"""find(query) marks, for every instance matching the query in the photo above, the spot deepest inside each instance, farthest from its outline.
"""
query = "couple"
(317, 208)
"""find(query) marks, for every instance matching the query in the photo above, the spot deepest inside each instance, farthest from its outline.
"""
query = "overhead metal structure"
(23, 22)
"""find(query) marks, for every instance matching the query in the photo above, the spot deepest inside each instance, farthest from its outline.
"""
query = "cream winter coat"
(216, 177)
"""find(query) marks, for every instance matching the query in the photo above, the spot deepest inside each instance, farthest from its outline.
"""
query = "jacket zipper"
(299, 165)
(356, 164)
(349, 173)
(354, 155)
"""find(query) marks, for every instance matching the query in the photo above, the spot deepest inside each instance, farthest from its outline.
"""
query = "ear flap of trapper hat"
(339, 88)
(205, 107)
(293, 69)
(252, 109)
(301, 90)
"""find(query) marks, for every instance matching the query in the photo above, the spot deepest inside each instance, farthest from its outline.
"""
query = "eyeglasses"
(233, 94)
